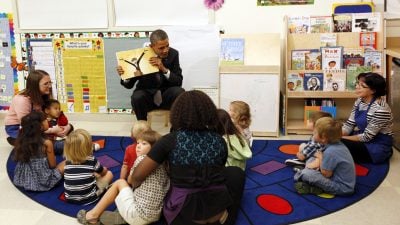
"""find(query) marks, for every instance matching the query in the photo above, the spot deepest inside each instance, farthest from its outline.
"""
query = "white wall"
(6, 6)
(238, 16)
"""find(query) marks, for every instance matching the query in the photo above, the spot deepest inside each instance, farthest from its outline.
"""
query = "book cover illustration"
(298, 24)
(368, 40)
(321, 24)
(335, 80)
(308, 111)
(328, 39)
(352, 61)
(374, 60)
(313, 60)
(366, 22)
(352, 73)
(313, 81)
(136, 59)
(342, 22)
(232, 51)
(332, 57)
(295, 81)
(299, 59)
(352, 52)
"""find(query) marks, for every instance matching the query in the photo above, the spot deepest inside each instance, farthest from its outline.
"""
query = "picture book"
(331, 57)
(313, 81)
(320, 24)
(352, 73)
(295, 81)
(328, 39)
(335, 80)
(366, 22)
(232, 51)
(352, 61)
(351, 52)
(329, 109)
(299, 59)
(368, 40)
(342, 22)
(313, 60)
(136, 59)
(374, 59)
(298, 24)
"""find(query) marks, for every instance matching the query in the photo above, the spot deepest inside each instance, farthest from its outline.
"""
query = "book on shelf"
(351, 52)
(352, 61)
(315, 105)
(321, 24)
(351, 75)
(232, 51)
(374, 59)
(335, 80)
(313, 59)
(342, 22)
(328, 39)
(366, 22)
(295, 81)
(298, 24)
(136, 59)
(368, 40)
(299, 59)
(308, 111)
(313, 81)
(332, 57)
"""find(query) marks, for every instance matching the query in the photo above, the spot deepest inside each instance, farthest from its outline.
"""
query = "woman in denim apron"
(368, 131)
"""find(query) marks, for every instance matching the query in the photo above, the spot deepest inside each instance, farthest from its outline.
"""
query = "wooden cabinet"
(293, 119)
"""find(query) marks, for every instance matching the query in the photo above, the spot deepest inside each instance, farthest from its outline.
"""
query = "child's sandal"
(81, 216)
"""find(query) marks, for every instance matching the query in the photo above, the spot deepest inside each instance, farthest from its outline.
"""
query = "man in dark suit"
(156, 90)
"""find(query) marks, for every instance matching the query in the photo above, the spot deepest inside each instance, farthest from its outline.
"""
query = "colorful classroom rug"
(269, 196)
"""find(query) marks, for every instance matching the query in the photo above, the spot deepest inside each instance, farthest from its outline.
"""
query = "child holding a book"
(307, 150)
(336, 173)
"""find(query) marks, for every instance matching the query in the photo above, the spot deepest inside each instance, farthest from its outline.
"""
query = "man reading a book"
(156, 90)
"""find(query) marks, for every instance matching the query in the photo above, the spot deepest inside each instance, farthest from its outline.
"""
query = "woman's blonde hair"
(241, 113)
(78, 146)
(329, 129)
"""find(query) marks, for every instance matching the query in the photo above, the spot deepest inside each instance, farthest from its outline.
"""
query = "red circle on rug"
(289, 149)
(274, 204)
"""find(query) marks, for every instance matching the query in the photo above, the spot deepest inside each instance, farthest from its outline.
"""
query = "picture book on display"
(342, 22)
(328, 39)
(352, 73)
(320, 24)
(136, 59)
(368, 40)
(374, 60)
(313, 60)
(295, 81)
(332, 57)
(366, 22)
(313, 81)
(299, 59)
(298, 24)
(232, 51)
(335, 80)
(352, 61)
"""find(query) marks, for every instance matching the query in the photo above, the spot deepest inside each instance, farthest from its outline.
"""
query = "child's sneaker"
(297, 169)
(96, 146)
(304, 188)
(295, 162)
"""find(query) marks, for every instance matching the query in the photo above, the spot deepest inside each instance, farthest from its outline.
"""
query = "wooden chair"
(158, 112)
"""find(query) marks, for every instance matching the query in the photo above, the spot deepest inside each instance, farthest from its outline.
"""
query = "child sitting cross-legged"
(141, 205)
(336, 174)
(36, 169)
(85, 179)
(306, 150)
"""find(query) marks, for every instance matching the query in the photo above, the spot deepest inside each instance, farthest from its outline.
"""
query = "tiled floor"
(382, 207)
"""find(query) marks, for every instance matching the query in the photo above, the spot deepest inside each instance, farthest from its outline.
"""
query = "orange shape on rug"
(289, 149)
(100, 142)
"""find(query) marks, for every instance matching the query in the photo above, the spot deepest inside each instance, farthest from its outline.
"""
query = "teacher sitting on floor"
(368, 131)
(157, 90)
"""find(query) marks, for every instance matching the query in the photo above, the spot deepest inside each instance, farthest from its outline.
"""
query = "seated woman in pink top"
(38, 89)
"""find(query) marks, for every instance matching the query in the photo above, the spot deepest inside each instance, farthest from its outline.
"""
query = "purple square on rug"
(107, 161)
(268, 167)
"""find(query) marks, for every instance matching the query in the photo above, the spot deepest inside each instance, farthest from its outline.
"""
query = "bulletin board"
(7, 73)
